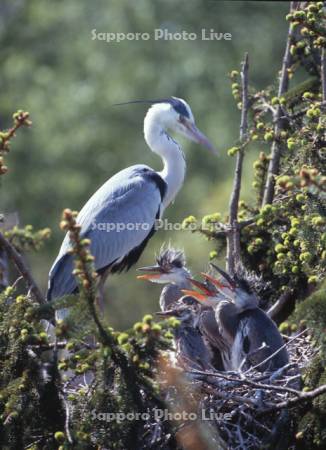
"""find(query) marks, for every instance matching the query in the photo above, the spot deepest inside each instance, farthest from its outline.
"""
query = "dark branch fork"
(22, 268)
(233, 237)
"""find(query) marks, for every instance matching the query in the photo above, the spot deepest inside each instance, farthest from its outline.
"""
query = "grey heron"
(170, 270)
(120, 217)
(245, 335)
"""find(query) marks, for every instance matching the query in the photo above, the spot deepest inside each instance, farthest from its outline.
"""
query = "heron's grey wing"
(117, 218)
(210, 329)
(124, 224)
(191, 350)
(259, 338)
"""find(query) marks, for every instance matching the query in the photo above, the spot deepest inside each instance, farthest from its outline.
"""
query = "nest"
(244, 410)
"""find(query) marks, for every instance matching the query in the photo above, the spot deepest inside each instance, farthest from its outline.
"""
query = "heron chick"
(170, 269)
(246, 336)
(192, 350)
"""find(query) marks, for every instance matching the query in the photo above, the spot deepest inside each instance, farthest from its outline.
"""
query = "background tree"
(51, 66)
(277, 230)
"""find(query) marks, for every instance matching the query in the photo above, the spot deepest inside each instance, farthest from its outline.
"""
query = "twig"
(274, 163)
(245, 380)
(22, 268)
(48, 346)
(21, 119)
(277, 351)
(233, 239)
(323, 73)
(4, 276)
(86, 277)
(228, 396)
(304, 396)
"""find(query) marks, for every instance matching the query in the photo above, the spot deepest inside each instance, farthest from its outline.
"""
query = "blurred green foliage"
(68, 82)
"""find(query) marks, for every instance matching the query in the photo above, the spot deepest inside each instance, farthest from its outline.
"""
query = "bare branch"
(323, 73)
(275, 353)
(293, 401)
(4, 276)
(243, 380)
(274, 164)
(233, 239)
(279, 304)
(22, 268)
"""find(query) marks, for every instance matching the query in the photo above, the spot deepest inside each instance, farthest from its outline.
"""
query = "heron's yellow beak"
(204, 289)
(195, 294)
(155, 272)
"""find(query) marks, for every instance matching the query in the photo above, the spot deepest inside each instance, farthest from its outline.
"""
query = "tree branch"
(233, 239)
(274, 164)
(22, 268)
(293, 401)
(243, 380)
(279, 304)
(4, 277)
(323, 73)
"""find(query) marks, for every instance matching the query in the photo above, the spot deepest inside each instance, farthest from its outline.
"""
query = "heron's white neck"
(160, 142)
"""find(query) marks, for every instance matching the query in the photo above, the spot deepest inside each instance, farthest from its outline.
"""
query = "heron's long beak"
(155, 272)
(225, 275)
(196, 135)
(213, 280)
(201, 286)
(201, 296)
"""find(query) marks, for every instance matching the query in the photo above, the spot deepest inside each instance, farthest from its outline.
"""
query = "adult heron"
(192, 349)
(244, 333)
(120, 217)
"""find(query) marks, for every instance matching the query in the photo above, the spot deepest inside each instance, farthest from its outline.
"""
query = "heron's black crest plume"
(177, 104)
(170, 257)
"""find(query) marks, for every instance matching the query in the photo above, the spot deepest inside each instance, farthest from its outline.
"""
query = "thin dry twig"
(323, 73)
(244, 380)
(233, 238)
(277, 351)
(304, 397)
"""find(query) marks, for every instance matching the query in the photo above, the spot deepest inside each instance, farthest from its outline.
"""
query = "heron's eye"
(181, 119)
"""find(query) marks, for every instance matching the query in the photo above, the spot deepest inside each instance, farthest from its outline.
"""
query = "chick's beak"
(214, 281)
(195, 294)
(201, 296)
(155, 272)
(226, 276)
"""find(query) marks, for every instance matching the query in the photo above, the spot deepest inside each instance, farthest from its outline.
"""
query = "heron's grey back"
(117, 219)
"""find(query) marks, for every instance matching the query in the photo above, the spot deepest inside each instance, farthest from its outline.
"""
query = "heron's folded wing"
(117, 218)
(124, 222)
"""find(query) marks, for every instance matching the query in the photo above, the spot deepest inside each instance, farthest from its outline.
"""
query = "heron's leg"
(100, 299)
